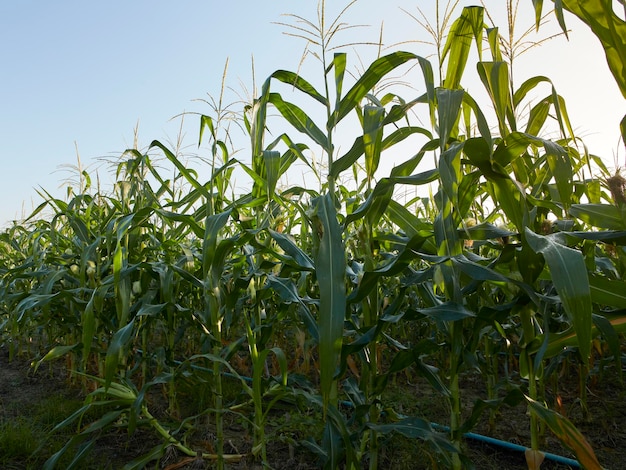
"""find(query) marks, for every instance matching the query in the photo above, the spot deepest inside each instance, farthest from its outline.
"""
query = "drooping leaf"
(567, 433)
(55, 353)
(449, 311)
(182, 168)
(300, 120)
(569, 276)
(609, 28)
(608, 292)
(117, 347)
(300, 83)
(603, 216)
(416, 428)
(375, 72)
(291, 248)
(288, 292)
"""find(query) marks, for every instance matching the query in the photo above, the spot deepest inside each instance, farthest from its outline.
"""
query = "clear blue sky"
(85, 73)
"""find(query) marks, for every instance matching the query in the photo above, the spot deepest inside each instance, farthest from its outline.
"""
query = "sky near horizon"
(79, 77)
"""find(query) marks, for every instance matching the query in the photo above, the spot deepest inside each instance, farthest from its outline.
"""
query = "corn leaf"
(373, 117)
(458, 44)
(375, 72)
(55, 353)
(406, 220)
(300, 120)
(449, 109)
(339, 65)
(569, 276)
(182, 168)
(116, 349)
(495, 77)
(607, 27)
(416, 428)
(300, 83)
(567, 433)
(289, 294)
(448, 311)
(603, 216)
(330, 269)
(608, 292)
(291, 249)
(272, 168)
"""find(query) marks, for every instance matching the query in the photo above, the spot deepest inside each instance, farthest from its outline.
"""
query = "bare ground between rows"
(21, 389)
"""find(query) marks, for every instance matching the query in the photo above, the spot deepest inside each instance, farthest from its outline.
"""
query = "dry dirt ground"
(22, 391)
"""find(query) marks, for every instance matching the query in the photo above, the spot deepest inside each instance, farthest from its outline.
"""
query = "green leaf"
(448, 311)
(607, 27)
(373, 117)
(116, 349)
(563, 173)
(537, 117)
(481, 120)
(487, 231)
(493, 38)
(330, 269)
(290, 248)
(495, 77)
(88, 324)
(559, 341)
(332, 445)
(214, 223)
(55, 353)
(375, 72)
(259, 119)
(299, 83)
(449, 109)
(122, 286)
(406, 220)
(375, 204)
(416, 428)
(612, 339)
(348, 159)
(272, 168)
(569, 276)
(300, 120)
(339, 65)
(206, 122)
(602, 216)
(397, 264)
(286, 289)
(400, 134)
(142, 462)
(182, 168)
(511, 199)
(458, 43)
(538, 5)
(608, 292)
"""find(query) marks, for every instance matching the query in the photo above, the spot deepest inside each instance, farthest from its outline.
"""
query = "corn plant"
(323, 293)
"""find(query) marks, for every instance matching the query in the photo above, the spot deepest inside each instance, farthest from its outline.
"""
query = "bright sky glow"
(81, 75)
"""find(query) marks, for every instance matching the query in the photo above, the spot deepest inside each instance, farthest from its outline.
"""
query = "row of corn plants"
(315, 297)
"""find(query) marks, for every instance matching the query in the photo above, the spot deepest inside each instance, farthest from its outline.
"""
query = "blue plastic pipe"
(509, 445)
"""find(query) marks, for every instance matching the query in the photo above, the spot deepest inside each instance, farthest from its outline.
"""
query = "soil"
(21, 390)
